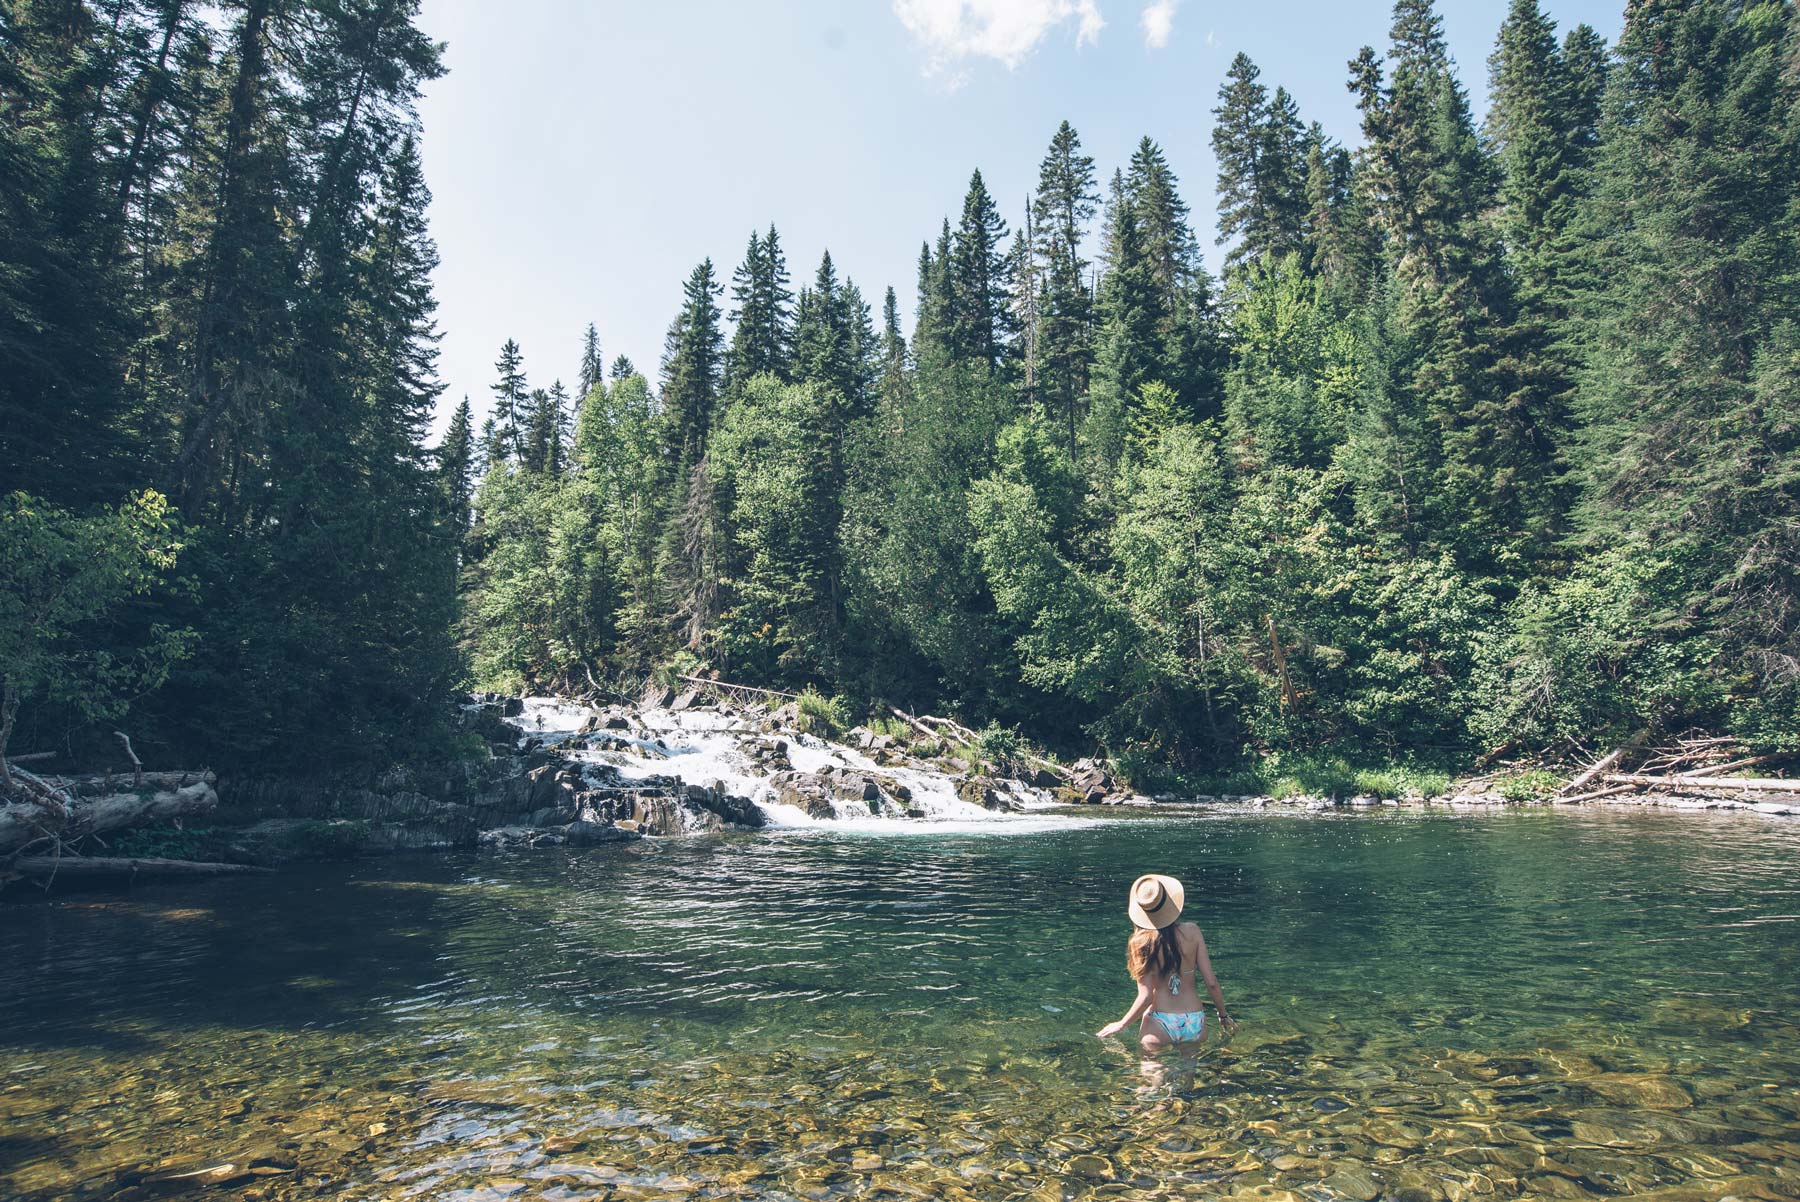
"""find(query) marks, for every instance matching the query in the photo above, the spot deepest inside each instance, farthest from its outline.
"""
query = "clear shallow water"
(1511, 1005)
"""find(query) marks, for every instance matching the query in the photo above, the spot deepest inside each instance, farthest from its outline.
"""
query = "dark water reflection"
(1512, 1005)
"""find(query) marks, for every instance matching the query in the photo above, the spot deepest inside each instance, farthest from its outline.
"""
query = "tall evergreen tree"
(1260, 146)
(512, 400)
(593, 364)
(1065, 203)
(693, 363)
(1689, 444)
(977, 279)
(1189, 352)
(456, 467)
(762, 341)
(1475, 369)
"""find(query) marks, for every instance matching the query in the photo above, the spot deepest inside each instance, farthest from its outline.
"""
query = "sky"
(584, 155)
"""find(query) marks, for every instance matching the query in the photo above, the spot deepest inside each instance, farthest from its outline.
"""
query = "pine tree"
(891, 380)
(693, 362)
(1188, 339)
(1475, 369)
(511, 407)
(456, 467)
(1065, 203)
(1130, 345)
(1260, 145)
(622, 367)
(762, 341)
(1536, 140)
(561, 431)
(593, 365)
(977, 280)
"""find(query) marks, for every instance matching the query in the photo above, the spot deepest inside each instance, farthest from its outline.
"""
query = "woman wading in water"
(1163, 956)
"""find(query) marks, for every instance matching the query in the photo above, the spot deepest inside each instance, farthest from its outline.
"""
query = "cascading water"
(708, 748)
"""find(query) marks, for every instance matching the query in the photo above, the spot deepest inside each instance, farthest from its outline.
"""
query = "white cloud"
(1006, 30)
(1158, 22)
(1212, 40)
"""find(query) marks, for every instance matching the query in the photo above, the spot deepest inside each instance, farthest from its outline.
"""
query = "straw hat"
(1156, 901)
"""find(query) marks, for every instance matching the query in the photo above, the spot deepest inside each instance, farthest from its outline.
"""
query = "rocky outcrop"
(526, 794)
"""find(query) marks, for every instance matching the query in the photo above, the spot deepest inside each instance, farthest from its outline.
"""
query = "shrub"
(821, 715)
(999, 746)
(1534, 784)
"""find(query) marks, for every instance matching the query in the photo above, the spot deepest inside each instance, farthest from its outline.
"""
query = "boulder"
(979, 790)
(553, 786)
(512, 707)
(807, 791)
(853, 786)
(656, 696)
(591, 834)
(688, 700)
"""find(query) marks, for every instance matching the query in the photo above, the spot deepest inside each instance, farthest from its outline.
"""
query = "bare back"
(1179, 992)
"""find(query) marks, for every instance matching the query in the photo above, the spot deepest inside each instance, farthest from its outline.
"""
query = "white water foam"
(700, 747)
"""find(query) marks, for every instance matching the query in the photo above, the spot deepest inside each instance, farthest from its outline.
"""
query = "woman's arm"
(1132, 1015)
(1212, 984)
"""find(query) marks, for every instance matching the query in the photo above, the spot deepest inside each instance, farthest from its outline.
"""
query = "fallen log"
(1734, 765)
(1727, 784)
(969, 736)
(1598, 794)
(1599, 766)
(161, 782)
(93, 867)
(22, 822)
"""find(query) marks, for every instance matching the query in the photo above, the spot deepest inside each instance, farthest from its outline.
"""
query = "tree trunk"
(1723, 784)
(91, 867)
(26, 822)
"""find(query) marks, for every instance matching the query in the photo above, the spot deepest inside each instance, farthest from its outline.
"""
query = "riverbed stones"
(1650, 1090)
(1353, 1181)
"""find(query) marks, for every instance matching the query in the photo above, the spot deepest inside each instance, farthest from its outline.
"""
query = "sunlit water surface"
(1547, 1005)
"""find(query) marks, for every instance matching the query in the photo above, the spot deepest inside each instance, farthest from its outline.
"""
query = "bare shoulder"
(1192, 931)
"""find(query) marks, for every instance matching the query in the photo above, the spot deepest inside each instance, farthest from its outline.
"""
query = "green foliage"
(1608, 650)
(1531, 784)
(1490, 436)
(161, 842)
(821, 715)
(771, 464)
(62, 577)
(1000, 746)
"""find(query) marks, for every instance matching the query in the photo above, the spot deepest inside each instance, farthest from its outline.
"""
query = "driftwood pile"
(1691, 766)
(47, 822)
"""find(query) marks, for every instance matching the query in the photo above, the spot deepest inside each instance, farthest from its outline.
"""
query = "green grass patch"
(821, 715)
(883, 724)
(1324, 776)
(1533, 784)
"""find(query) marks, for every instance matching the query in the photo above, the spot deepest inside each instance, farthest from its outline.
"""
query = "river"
(1514, 1004)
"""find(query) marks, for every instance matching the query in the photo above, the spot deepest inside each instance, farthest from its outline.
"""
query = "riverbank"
(541, 771)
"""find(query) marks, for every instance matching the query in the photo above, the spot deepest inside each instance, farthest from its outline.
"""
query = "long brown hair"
(1153, 953)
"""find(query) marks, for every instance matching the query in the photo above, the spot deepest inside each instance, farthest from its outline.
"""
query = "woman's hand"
(1110, 1029)
(1227, 1024)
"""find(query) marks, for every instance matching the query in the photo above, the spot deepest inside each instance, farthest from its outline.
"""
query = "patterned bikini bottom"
(1182, 1028)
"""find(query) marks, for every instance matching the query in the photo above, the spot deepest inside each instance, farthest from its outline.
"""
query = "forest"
(1484, 435)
